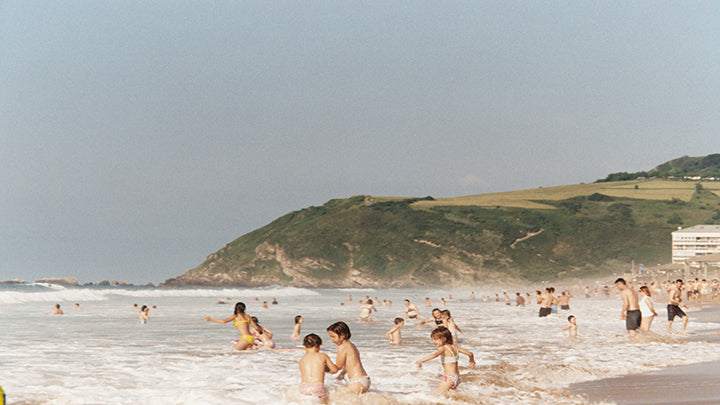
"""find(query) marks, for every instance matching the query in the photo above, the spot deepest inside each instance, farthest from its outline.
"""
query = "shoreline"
(691, 384)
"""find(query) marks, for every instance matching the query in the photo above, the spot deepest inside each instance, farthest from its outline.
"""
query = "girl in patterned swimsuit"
(448, 353)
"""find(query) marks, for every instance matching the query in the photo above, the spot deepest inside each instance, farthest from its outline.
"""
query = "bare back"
(349, 357)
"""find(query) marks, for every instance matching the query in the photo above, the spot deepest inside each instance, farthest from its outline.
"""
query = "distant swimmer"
(77, 307)
(393, 335)
(367, 310)
(144, 314)
(296, 328)
(274, 301)
(411, 311)
(572, 327)
(57, 310)
(564, 300)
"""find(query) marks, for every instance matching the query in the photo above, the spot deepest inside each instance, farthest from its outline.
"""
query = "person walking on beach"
(242, 322)
(631, 307)
(647, 310)
(673, 308)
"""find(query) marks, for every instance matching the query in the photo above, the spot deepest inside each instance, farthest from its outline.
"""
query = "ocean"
(103, 355)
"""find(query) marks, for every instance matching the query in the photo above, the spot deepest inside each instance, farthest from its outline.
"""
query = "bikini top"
(237, 322)
(449, 359)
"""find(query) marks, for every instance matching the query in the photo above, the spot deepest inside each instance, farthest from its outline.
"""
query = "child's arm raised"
(209, 319)
(430, 357)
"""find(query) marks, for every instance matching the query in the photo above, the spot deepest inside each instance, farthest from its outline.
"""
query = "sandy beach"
(693, 384)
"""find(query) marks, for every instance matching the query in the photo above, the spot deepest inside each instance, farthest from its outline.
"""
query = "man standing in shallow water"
(673, 308)
(631, 306)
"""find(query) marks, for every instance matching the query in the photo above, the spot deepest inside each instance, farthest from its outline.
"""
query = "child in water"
(242, 322)
(313, 366)
(572, 327)
(263, 336)
(144, 314)
(348, 358)
(393, 335)
(448, 353)
(296, 328)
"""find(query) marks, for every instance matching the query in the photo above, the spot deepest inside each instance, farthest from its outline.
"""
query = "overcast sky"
(138, 137)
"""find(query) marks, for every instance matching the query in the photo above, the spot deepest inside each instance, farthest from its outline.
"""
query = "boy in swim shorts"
(313, 366)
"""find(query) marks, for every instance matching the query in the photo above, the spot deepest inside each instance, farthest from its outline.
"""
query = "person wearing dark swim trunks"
(673, 308)
(631, 306)
(545, 302)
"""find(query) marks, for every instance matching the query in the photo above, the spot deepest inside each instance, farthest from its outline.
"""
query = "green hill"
(705, 167)
(540, 234)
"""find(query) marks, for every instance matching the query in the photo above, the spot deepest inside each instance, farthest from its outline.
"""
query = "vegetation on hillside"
(409, 241)
(686, 166)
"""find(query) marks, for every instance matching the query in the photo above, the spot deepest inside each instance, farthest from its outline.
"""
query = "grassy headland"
(540, 234)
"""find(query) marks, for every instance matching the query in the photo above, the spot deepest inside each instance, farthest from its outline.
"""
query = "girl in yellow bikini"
(242, 322)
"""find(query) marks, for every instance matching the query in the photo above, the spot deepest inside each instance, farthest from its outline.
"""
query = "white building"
(698, 240)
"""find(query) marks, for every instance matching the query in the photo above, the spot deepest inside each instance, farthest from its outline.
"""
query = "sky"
(138, 137)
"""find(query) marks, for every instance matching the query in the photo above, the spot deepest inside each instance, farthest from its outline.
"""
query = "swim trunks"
(565, 307)
(544, 312)
(452, 377)
(363, 380)
(632, 320)
(314, 389)
(673, 311)
(553, 308)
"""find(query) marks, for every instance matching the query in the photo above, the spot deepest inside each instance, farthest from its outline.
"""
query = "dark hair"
(369, 301)
(678, 281)
(621, 281)
(443, 334)
(398, 320)
(436, 309)
(571, 317)
(254, 318)
(298, 318)
(446, 313)
(341, 329)
(239, 308)
(144, 307)
(312, 340)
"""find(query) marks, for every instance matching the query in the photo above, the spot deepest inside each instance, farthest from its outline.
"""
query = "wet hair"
(239, 308)
(621, 281)
(298, 318)
(312, 340)
(571, 317)
(369, 301)
(57, 306)
(442, 333)
(144, 307)
(645, 289)
(678, 281)
(436, 309)
(399, 320)
(341, 329)
(259, 328)
(446, 313)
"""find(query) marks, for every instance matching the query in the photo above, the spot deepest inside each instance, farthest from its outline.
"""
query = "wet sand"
(694, 384)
